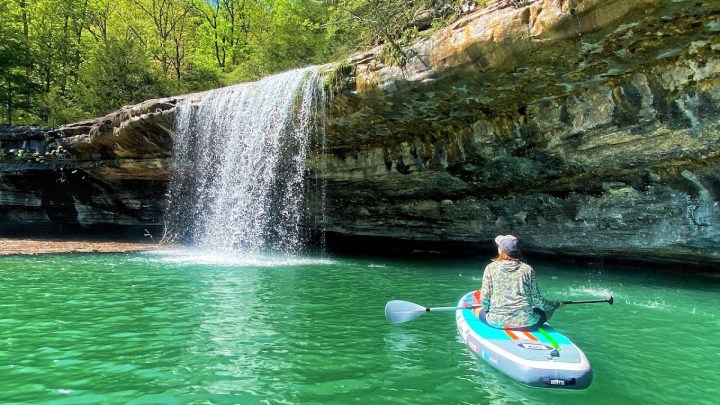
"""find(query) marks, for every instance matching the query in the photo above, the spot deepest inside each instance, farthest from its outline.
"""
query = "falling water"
(239, 181)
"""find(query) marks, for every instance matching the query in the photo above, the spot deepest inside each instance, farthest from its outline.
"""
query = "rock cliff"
(586, 128)
(583, 127)
(104, 177)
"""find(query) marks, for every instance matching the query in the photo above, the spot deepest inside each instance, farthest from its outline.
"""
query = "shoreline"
(15, 246)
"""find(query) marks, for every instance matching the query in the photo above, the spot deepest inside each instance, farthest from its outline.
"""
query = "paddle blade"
(397, 311)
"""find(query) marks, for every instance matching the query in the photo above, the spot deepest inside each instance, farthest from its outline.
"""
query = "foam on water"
(586, 291)
(231, 259)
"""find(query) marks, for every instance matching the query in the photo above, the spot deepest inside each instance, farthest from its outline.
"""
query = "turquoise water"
(181, 327)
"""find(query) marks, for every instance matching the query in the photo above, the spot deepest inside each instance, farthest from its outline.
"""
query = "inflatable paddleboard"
(538, 357)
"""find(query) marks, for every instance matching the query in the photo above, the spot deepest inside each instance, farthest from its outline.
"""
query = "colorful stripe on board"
(547, 336)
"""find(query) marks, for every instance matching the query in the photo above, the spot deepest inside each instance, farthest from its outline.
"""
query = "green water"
(179, 327)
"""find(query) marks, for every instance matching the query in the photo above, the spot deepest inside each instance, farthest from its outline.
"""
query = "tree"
(374, 21)
(99, 18)
(118, 73)
(17, 86)
(66, 59)
(279, 34)
(361, 23)
(169, 26)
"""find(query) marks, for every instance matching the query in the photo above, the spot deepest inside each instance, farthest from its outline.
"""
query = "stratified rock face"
(105, 176)
(583, 127)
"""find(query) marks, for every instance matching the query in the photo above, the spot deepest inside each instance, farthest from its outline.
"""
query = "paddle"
(397, 311)
(609, 301)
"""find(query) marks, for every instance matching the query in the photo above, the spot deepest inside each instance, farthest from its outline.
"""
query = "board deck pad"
(541, 357)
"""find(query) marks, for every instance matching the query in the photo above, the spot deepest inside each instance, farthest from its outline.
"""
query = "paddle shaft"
(609, 301)
(451, 308)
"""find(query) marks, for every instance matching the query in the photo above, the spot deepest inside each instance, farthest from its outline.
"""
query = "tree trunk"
(9, 101)
(178, 59)
(220, 62)
(23, 7)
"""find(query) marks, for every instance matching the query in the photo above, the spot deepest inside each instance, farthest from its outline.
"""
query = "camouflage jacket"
(509, 292)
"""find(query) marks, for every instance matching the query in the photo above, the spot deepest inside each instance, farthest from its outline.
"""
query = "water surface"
(185, 327)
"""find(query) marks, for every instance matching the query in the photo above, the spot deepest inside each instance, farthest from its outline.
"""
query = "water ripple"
(169, 327)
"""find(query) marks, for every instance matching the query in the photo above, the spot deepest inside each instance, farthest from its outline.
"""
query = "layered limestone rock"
(587, 128)
(582, 127)
(105, 176)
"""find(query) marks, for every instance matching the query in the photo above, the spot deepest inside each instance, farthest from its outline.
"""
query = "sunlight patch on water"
(231, 259)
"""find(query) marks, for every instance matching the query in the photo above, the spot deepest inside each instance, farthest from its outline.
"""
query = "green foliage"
(59, 108)
(290, 35)
(17, 87)
(117, 74)
(63, 60)
(17, 84)
(335, 79)
(392, 55)
(200, 76)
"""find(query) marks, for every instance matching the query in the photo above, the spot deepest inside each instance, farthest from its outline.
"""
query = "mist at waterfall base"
(240, 182)
(163, 328)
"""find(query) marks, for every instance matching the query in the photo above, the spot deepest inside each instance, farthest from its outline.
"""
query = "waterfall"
(239, 179)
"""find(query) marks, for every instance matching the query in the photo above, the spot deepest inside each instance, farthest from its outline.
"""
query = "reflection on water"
(398, 341)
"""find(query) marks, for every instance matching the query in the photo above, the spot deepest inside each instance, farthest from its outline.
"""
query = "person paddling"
(509, 294)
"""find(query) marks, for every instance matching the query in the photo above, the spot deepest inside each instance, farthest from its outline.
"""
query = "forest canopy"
(66, 60)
